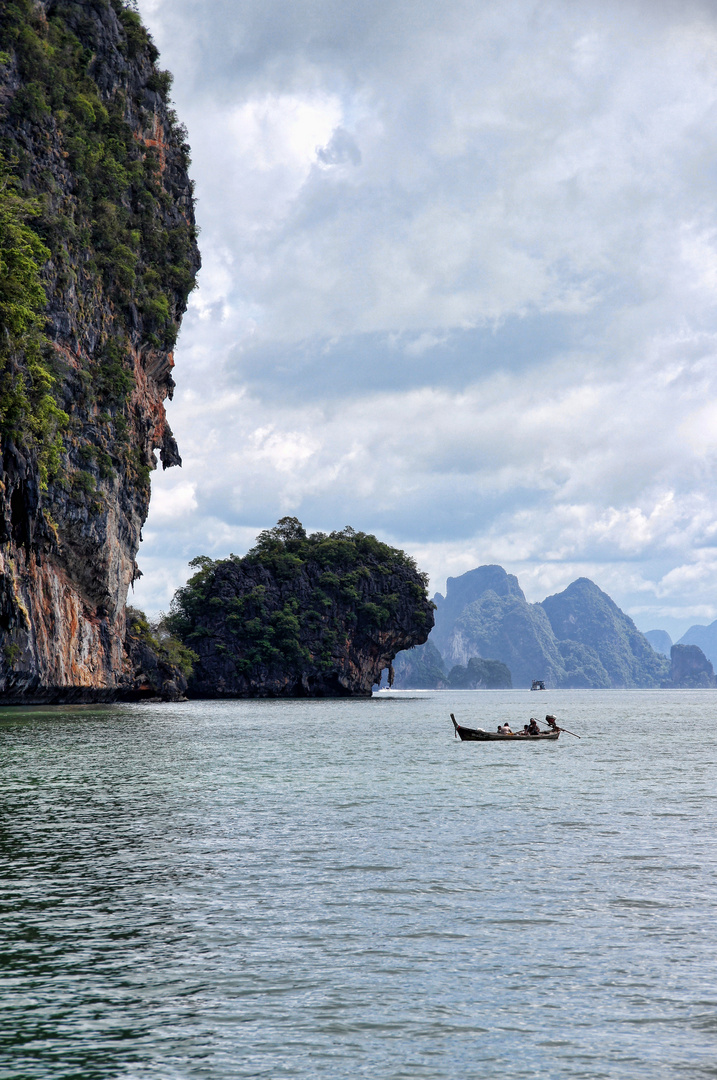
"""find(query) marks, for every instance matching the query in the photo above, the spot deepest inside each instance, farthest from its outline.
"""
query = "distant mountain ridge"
(423, 668)
(660, 641)
(578, 638)
(705, 637)
(584, 614)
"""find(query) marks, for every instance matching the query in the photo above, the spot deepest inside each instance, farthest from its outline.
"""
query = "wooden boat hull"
(468, 734)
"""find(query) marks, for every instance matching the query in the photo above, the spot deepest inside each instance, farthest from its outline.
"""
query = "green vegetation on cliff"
(158, 637)
(161, 664)
(421, 668)
(28, 409)
(507, 628)
(479, 674)
(584, 615)
(318, 614)
(102, 222)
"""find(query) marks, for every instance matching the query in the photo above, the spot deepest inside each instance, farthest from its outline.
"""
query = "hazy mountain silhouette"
(576, 638)
(705, 637)
(660, 641)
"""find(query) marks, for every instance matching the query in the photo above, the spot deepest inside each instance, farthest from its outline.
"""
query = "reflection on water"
(331, 889)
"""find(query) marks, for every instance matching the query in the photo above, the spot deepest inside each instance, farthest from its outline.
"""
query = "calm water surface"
(340, 889)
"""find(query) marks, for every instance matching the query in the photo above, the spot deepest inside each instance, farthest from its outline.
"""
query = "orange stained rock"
(157, 141)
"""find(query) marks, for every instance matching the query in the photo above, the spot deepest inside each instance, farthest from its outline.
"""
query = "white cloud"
(173, 503)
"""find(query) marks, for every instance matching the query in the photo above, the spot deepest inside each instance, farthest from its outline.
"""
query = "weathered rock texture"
(86, 129)
(154, 674)
(298, 616)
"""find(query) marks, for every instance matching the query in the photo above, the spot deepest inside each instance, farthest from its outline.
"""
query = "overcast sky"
(459, 289)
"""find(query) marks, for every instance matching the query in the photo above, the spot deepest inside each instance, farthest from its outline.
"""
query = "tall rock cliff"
(96, 211)
(463, 591)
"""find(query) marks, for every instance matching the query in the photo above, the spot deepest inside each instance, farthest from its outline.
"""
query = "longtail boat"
(469, 734)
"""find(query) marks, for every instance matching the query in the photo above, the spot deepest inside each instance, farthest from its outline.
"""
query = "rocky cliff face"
(421, 668)
(301, 616)
(95, 164)
(158, 668)
(463, 591)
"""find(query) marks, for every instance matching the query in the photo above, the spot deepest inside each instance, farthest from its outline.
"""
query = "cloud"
(459, 270)
(341, 149)
(175, 502)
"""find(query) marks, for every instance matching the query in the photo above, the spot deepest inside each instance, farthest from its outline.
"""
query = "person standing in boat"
(552, 722)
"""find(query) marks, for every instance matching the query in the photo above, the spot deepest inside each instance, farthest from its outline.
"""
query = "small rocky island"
(318, 615)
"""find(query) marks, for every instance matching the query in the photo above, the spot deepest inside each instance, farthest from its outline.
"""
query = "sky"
(459, 289)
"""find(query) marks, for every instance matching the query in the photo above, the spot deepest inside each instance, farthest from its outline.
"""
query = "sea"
(341, 889)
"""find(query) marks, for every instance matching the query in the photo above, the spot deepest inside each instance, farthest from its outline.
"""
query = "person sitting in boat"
(505, 729)
(526, 730)
(532, 727)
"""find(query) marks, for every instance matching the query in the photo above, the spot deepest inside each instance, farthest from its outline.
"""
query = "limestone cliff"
(300, 616)
(421, 668)
(94, 183)
(690, 669)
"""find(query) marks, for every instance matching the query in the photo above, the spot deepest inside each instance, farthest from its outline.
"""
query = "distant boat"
(468, 734)
(538, 684)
